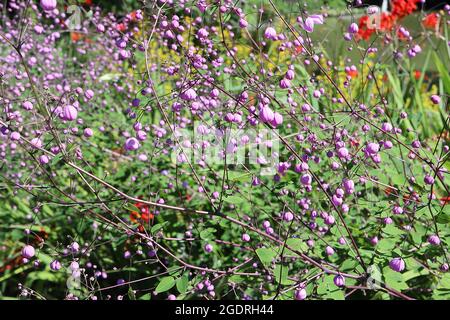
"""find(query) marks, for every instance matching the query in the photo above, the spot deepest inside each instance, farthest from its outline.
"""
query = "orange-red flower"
(143, 215)
(445, 200)
(76, 36)
(352, 73)
(297, 50)
(417, 74)
(121, 27)
(402, 8)
(431, 20)
(387, 22)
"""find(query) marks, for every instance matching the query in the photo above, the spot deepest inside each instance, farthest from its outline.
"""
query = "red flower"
(121, 27)
(445, 200)
(431, 20)
(366, 30)
(387, 21)
(402, 8)
(417, 74)
(352, 73)
(143, 214)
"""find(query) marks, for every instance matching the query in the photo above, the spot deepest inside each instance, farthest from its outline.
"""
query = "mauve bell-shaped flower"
(372, 148)
(353, 28)
(88, 132)
(189, 95)
(285, 83)
(270, 33)
(277, 119)
(266, 114)
(397, 264)
(132, 144)
(243, 23)
(434, 240)
(28, 252)
(435, 99)
(308, 24)
(202, 33)
(70, 113)
(300, 294)
(349, 186)
(36, 143)
(89, 94)
(48, 5)
(339, 281)
(288, 216)
(329, 251)
(306, 179)
(27, 105)
(55, 265)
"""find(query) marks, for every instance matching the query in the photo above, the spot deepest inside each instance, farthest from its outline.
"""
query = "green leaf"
(266, 255)
(281, 275)
(165, 284)
(233, 199)
(392, 230)
(158, 227)
(443, 218)
(443, 72)
(182, 284)
(296, 244)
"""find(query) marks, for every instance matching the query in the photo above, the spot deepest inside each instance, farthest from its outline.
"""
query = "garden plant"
(224, 150)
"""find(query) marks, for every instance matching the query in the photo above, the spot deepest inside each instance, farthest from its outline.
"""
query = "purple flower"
(353, 28)
(308, 24)
(435, 99)
(89, 94)
(43, 159)
(277, 119)
(300, 294)
(428, 179)
(28, 252)
(243, 23)
(343, 153)
(55, 265)
(372, 148)
(88, 132)
(397, 264)
(27, 105)
(36, 143)
(288, 216)
(15, 136)
(387, 127)
(245, 237)
(306, 179)
(189, 95)
(285, 83)
(208, 248)
(434, 240)
(48, 5)
(330, 220)
(266, 114)
(349, 186)
(270, 33)
(202, 33)
(132, 144)
(70, 113)
(339, 281)
(329, 251)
